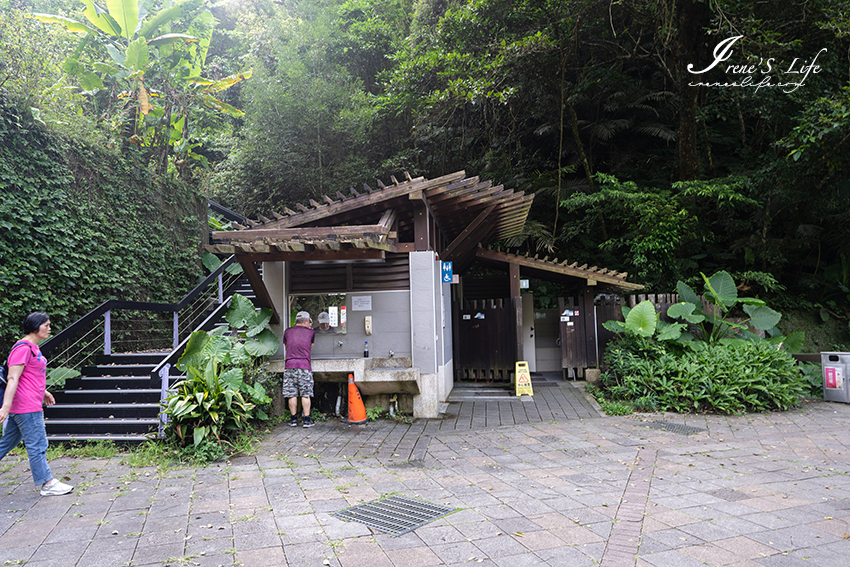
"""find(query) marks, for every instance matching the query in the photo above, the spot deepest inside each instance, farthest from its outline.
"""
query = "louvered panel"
(317, 278)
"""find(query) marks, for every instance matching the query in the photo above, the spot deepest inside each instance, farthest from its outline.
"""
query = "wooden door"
(574, 356)
(483, 341)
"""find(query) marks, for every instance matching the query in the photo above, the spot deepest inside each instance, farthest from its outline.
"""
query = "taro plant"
(215, 401)
(714, 324)
(643, 321)
(705, 361)
(711, 325)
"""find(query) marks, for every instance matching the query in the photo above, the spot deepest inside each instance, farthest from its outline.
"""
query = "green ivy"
(80, 225)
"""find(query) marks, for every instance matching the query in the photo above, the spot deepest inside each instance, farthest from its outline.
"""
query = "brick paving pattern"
(542, 482)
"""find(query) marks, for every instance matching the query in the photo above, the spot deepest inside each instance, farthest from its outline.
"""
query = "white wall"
(528, 332)
(430, 312)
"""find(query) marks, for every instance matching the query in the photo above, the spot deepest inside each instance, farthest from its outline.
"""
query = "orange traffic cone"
(356, 409)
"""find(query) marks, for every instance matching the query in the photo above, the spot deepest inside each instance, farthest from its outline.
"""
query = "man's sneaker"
(308, 421)
(293, 421)
(55, 488)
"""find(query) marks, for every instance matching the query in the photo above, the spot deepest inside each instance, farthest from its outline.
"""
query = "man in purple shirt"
(298, 373)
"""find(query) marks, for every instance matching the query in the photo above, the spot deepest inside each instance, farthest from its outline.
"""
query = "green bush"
(214, 402)
(722, 378)
(812, 374)
(615, 408)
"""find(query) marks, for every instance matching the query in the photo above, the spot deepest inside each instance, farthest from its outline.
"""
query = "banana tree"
(150, 65)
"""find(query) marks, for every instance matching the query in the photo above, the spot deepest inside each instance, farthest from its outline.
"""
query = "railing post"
(220, 289)
(164, 372)
(107, 333)
(176, 330)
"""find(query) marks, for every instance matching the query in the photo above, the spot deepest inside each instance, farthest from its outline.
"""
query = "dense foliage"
(639, 164)
(80, 225)
(722, 378)
(703, 359)
(222, 392)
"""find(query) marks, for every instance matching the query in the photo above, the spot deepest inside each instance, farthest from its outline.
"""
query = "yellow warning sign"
(523, 379)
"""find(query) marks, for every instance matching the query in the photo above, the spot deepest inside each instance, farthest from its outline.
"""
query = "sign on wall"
(447, 272)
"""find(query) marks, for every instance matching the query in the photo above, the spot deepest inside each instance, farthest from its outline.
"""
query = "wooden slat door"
(483, 343)
(573, 335)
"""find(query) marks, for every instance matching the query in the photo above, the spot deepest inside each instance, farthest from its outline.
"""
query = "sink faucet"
(339, 344)
(391, 354)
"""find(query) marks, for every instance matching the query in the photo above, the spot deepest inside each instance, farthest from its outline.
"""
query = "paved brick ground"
(552, 488)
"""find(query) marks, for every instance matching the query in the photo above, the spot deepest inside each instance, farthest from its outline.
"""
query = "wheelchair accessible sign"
(447, 272)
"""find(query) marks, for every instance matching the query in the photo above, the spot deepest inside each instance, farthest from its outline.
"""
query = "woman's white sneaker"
(55, 488)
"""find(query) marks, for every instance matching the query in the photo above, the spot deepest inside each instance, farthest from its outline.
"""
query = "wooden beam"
(516, 301)
(561, 269)
(467, 237)
(420, 225)
(317, 232)
(363, 201)
(315, 255)
(388, 218)
(259, 286)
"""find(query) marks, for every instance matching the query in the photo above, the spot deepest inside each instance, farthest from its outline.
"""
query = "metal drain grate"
(675, 427)
(395, 515)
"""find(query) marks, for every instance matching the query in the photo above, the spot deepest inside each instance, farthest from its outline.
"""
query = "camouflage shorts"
(297, 382)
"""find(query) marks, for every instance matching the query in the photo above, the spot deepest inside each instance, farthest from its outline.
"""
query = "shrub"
(812, 374)
(214, 401)
(615, 408)
(723, 378)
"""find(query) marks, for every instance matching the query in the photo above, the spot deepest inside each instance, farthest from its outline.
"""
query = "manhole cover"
(675, 427)
(395, 515)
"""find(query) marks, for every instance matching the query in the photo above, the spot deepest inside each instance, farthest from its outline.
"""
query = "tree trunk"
(692, 17)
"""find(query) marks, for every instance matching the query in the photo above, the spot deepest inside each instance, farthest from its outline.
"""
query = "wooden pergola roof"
(451, 214)
(548, 270)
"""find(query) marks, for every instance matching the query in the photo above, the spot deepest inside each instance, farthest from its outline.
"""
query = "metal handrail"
(113, 304)
(162, 371)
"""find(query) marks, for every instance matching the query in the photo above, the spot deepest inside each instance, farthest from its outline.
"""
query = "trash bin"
(835, 366)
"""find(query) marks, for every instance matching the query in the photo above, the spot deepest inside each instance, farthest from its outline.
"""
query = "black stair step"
(153, 358)
(102, 426)
(118, 438)
(118, 370)
(101, 411)
(139, 396)
(107, 382)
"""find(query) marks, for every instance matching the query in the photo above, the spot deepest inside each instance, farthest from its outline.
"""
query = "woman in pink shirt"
(26, 391)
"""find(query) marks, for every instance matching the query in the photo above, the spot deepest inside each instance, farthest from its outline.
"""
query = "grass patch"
(615, 408)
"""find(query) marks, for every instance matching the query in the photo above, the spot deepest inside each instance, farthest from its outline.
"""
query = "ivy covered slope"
(80, 225)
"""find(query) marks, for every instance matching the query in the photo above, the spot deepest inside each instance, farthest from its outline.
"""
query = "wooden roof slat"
(551, 267)
(449, 187)
(263, 219)
(362, 201)
(301, 207)
(340, 196)
(288, 211)
(381, 184)
(328, 200)
(353, 192)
